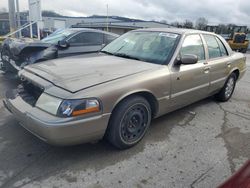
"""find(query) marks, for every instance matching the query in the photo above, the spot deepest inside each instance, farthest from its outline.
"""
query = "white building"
(113, 24)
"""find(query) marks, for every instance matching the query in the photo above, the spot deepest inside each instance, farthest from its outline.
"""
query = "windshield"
(153, 47)
(57, 36)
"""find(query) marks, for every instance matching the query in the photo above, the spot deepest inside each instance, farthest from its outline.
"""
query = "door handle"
(206, 70)
(229, 64)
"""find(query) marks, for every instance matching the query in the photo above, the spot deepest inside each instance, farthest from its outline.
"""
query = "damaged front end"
(17, 53)
(28, 91)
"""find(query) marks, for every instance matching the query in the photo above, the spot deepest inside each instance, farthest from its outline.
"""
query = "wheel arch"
(149, 96)
(236, 71)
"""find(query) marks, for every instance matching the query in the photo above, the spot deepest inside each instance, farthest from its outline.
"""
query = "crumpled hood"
(81, 72)
(16, 46)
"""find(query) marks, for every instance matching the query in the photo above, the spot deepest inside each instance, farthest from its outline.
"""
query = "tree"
(201, 23)
(222, 29)
(177, 24)
(188, 24)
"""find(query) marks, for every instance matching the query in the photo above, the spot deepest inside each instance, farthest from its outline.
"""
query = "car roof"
(180, 31)
(93, 30)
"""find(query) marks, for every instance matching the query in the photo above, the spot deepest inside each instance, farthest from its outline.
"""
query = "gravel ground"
(198, 146)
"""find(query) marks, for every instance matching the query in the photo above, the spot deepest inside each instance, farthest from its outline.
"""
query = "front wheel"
(129, 122)
(227, 91)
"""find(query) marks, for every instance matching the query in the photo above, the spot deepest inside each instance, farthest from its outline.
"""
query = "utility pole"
(18, 18)
(107, 18)
(12, 16)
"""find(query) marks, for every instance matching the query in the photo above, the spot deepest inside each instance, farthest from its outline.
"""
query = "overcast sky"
(216, 11)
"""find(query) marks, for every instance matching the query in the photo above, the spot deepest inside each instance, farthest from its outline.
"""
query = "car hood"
(17, 46)
(80, 72)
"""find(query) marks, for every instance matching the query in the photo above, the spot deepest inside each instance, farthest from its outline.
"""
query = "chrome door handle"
(206, 69)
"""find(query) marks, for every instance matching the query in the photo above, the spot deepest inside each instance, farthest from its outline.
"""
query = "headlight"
(67, 108)
(70, 108)
(48, 103)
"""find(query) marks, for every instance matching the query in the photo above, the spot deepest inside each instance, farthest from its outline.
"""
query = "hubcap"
(229, 87)
(134, 123)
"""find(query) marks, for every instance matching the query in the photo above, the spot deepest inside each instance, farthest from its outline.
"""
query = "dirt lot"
(198, 146)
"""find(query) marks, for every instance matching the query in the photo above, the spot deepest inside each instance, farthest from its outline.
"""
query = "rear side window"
(109, 38)
(223, 49)
(87, 38)
(193, 45)
(214, 50)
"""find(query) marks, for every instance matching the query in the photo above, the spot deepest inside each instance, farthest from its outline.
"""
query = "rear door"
(190, 82)
(218, 61)
(84, 42)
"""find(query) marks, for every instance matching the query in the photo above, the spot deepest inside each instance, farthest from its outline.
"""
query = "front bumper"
(54, 130)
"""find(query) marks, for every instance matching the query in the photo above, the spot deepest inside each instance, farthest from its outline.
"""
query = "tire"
(227, 91)
(129, 122)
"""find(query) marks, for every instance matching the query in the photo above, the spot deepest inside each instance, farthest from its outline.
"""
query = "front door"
(190, 83)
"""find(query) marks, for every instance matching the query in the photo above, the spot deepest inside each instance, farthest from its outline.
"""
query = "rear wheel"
(129, 122)
(227, 91)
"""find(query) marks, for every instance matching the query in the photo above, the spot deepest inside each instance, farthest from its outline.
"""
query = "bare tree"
(177, 24)
(188, 24)
(201, 23)
(222, 29)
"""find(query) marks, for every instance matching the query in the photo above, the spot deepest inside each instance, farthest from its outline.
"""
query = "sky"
(215, 11)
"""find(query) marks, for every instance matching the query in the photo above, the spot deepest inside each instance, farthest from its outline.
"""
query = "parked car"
(240, 179)
(17, 53)
(139, 76)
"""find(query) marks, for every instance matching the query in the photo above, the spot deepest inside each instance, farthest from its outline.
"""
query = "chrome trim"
(218, 80)
(189, 90)
(164, 98)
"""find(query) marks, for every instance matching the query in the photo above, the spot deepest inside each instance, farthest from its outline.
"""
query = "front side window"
(87, 38)
(153, 47)
(213, 46)
(193, 45)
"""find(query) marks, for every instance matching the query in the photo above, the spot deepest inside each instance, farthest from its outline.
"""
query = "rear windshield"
(58, 35)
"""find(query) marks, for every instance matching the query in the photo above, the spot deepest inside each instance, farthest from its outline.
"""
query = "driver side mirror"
(187, 59)
(63, 44)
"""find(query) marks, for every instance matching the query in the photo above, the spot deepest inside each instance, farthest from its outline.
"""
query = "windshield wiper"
(106, 52)
(126, 56)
